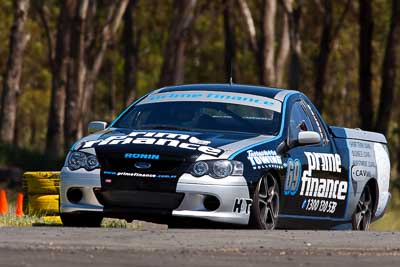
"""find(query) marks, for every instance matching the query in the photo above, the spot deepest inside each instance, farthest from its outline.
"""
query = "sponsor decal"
(362, 160)
(293, 176)
(323, 162)
(219, 97)
(319, 205)
(183, 141)
(361, 153)
(323, 187)
(141, 156)
(140, 175)
(242, 205)
(359, 173)
(264, 159)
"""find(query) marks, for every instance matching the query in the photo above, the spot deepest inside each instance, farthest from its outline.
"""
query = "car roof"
(270, 92)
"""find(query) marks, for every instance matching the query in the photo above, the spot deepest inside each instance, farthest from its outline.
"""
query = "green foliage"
(6, 11)
(390, 221)
(204, 63)
(27, 159)
(25, 221)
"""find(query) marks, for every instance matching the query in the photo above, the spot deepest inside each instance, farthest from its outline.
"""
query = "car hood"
(188, 144)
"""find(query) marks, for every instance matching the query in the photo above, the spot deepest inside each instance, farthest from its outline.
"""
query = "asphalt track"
(158, 246)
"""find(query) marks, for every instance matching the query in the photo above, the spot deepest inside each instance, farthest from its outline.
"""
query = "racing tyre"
(43, 204)
(265, 208)
(362, 216)
(81, 220)
(42, 183)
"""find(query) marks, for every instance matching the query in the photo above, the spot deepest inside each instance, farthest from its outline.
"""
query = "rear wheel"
(81, 220)
(265, 208)
(362, 216)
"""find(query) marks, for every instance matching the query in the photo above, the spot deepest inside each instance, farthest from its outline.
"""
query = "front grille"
(168, 165)
(140, 184)
(139, 199)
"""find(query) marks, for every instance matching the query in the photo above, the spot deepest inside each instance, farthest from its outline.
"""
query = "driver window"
(299, 121)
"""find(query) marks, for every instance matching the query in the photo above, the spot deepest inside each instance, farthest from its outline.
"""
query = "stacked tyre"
(41, 193)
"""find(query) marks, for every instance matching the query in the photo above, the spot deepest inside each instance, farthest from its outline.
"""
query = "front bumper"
(232, 193)
(228, 191)
(86, 182)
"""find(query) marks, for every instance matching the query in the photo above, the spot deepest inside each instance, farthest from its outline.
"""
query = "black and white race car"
(235, 154)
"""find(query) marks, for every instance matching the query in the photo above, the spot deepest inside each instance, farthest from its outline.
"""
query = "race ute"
(238, 155)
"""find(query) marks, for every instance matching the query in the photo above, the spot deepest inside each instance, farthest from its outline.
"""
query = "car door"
(314, 186)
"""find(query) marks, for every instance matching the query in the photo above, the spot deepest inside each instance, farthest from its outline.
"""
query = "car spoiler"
(357, 134)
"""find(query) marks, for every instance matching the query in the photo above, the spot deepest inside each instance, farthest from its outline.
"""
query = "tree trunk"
(32, 138)
(114, 18)
(284, 45)
(250, 27)
(12, 78)
(55, 126)
(389, 72)
(268, 43)
(230, 41)
(321, 63)
(131, 48)
(294, 15)
(365, 76)
(86, 61)
(295, 69)
(43, 13)
(111, 88)
(271, 63)
(172, 71)
(329, 34)
(398, 151)
(76, 73)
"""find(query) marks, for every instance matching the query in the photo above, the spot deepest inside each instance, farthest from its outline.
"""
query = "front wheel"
(363, 214)
(81, 220)
(265, 208)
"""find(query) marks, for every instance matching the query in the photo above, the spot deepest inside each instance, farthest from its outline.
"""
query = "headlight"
(200, 168)
(77, 160)
(217, 168)
(92, 162)
(222, 168)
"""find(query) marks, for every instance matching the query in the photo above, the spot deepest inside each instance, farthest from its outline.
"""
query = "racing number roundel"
(293, 174)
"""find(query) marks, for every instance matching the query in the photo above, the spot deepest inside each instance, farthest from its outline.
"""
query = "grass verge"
(389, 222)
(41, 219)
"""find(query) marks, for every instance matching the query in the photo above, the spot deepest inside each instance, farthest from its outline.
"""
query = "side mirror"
(303, 138)
(96, 126)
(308, 138)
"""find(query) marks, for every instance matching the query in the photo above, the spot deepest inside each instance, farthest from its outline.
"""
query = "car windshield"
(187, 115)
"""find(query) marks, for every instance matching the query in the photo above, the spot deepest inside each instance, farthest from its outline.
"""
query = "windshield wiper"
(165, 127)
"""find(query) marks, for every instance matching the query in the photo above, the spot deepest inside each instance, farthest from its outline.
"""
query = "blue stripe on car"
(312, 218)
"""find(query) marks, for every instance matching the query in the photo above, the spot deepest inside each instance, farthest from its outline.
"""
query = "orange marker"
(3, 202)
(20, 200)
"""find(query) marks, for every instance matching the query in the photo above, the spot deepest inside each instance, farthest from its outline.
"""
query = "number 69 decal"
(293, 174)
